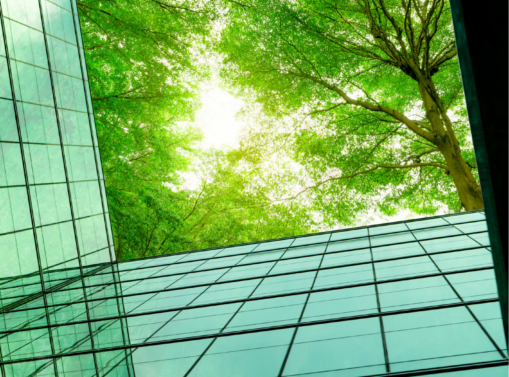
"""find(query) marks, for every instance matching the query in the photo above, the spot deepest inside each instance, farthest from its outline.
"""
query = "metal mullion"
(303, 256)
(281, 274)
(179, 311)
(461, 299)
(155, 293)
(25, 173)
(468, 235)
(308, 235)
(78, 30)
(98, 164)
(382, 329)
(261, 298)
(12, 306)
(291, 273)
(256, 330)
(225, 326)
(302, 271)
(290, 345)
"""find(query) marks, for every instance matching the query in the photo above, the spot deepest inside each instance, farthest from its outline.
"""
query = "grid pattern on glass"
(53, 212)
(339, 303)
(54, 221)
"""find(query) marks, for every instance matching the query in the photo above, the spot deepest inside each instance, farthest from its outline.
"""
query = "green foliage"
(144, 67)
(324, 72)
(347, 115)
(143, 79)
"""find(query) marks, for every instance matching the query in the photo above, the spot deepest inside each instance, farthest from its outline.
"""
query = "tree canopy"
(351, 106)
(375, 94)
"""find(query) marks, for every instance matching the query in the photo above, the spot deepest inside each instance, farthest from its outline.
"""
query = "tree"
(367, 94)
(144, 79)
(144, 68)
(235, 202)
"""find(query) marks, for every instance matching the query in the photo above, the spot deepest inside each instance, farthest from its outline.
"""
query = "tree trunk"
(469, 191)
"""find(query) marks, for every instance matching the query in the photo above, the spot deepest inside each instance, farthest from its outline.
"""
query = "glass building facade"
(53, 210)
(407, 298)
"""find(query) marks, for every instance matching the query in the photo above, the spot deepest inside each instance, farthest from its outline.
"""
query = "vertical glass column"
(54, 221)
(51, 178)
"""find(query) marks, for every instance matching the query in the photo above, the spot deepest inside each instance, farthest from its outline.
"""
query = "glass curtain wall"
(54, 221)
(53, 210)
(407, 298)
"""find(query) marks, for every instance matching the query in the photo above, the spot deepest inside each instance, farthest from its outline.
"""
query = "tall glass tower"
(403, 299)
(53, 210)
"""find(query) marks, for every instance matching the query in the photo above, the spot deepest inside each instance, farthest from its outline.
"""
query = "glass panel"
(237, 250)
(461, 260)
(446, 337)
(388, 239)
(311, 240)
(425, 223)
(348, 245)
(384, 229)
(450, 243)
(14, 211)
(161, 301)
(245, 272)
(416, 293)
(481, 238)
(11, 167)
(269, 312)
(297, 264)
(477, 285)
(248, 355)
(346, 257)
(285, 284)
(38, 124)
(8, 128)
(464, 218)
(479, 226)
(490, 317)
(199, 278)
(5, 86)
(25, 11)
(32, 84)
(305, 250)
(262, 257)
(274, 245)
(177, 358)
(220, 262)
(347, 234)
(194, 322)
(26, 44)
(396, 251)
(337, 277)
(227, 292)
(443, 231)
(341, 303)
(404, 268)
(353, 346)
(200, 255)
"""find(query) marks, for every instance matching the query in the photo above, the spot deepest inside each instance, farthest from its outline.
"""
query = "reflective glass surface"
(393, 298)
(396, 298)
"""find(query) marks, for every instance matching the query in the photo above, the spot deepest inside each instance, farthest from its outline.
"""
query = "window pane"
(446, 337)
(338, 347)
(259, 354)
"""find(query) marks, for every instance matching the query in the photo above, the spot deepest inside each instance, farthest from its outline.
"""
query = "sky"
(217, 120)
(221, 129)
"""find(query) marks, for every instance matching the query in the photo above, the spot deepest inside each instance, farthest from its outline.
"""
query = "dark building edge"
(482, 44)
